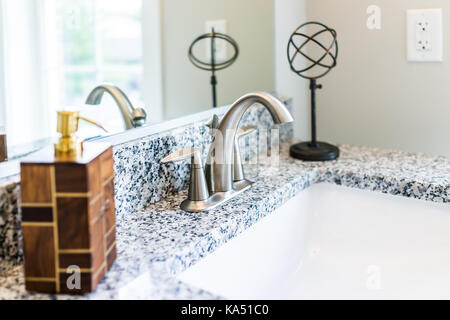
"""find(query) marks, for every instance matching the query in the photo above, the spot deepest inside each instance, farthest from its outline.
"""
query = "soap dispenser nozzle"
(67, 126)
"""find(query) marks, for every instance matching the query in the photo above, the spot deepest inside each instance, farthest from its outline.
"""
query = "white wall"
(26, 118)
(289, 14)
(375, 96)
(250, 23)
(2, 75)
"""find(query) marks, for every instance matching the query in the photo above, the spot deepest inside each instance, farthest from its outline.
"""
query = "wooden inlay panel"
(37, 214)
(107, 167)
(108, 191)
(97, 277)
(98, 244)
(82, 260)
(71, 178)
(94, 178)
(35, 184)
(68, 220)
(73, 226)
(39, 240)
(110, 237)
(111, 257)
(96, 206)
(41, 286)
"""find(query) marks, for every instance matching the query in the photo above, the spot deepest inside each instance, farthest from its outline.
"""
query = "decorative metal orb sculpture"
(296, 51)
(321, 65)
(213, 65)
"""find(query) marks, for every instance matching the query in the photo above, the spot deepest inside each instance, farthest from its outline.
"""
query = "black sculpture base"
(320, 151)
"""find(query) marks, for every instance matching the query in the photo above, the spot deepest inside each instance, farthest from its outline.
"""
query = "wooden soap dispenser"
(68, 213)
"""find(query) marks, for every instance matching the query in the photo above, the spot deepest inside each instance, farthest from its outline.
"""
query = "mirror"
(63, 49)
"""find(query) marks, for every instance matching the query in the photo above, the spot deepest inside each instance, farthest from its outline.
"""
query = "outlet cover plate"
(424, 35)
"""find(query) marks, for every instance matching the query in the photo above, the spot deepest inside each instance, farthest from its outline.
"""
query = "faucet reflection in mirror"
(219, 169)
(132, 117)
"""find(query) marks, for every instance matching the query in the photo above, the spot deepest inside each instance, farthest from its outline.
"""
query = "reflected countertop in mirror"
(139, 46)
(9, 170)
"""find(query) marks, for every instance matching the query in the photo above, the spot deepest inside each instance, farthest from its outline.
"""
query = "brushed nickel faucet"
(132, 117)
(222, 178)
(238, 170)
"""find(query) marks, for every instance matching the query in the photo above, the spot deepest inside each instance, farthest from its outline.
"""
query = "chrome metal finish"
(219, 165)
(224, 155)
(132, 117)
(214, 122)
(198, 188)
(238, 170)
(214, 200)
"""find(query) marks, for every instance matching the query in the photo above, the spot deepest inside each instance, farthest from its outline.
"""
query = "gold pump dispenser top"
(67, 126)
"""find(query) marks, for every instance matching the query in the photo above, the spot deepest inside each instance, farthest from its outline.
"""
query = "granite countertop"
(159, 242)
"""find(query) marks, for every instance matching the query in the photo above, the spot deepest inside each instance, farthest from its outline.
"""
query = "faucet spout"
(220, 158)
(132, 117)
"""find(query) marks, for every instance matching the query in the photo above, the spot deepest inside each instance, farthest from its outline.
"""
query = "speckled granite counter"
(140, 179)
(158, 242)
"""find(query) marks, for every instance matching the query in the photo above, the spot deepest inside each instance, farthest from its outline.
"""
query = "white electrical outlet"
(220, 45)
(425, 35)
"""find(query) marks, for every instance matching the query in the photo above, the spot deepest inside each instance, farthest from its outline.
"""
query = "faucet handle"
(245, 131)
(214, 122)
(198, 188)
(238, 170)
(193, 153)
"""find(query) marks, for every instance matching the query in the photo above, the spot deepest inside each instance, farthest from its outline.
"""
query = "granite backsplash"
(140, 178)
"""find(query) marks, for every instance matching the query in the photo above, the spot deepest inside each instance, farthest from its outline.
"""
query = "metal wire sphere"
(314, 63)
(208, 66)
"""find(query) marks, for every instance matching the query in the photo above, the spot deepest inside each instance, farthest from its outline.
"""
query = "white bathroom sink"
(333, 242)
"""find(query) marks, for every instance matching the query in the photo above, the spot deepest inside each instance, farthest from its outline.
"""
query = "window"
(62, 49)
(2, 75)
(89, 42)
